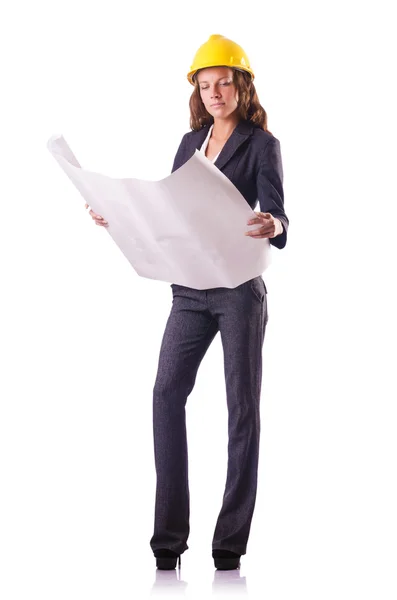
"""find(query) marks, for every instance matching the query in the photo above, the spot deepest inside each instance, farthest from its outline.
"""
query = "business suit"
(251, 159)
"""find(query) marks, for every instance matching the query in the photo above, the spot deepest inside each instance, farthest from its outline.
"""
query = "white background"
(80, 331)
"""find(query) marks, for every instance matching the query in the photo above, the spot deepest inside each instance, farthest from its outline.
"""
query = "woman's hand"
(270, 226)
(97, 218)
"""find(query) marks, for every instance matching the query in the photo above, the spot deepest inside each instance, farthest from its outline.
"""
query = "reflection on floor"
(228, 582)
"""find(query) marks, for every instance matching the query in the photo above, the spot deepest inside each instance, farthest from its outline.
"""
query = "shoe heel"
(227, 564)
(167, 564)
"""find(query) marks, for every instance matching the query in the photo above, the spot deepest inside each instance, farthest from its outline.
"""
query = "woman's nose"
(215, 93)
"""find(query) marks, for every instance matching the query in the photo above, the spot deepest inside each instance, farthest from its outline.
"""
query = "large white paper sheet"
(186, 229)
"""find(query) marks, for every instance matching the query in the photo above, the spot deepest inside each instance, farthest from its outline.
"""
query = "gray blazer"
(251, 159)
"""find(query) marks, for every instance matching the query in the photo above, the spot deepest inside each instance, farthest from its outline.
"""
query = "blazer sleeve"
(179, 156)
(270, 188)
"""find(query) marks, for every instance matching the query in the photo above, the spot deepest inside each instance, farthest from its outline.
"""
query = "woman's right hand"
(97, 218)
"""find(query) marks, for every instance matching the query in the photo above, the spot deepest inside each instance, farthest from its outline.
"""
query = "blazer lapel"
(240, 134)
(200, 137)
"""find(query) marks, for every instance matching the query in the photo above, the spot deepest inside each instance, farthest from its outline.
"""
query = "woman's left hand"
(270, 226)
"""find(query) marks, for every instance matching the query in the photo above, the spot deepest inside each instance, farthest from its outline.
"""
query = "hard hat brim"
(192, 74)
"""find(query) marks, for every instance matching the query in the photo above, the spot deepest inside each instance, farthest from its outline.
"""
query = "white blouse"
(205, 144)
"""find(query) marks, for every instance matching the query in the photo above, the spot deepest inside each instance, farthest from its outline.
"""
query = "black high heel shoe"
(225, 560)
(167, 559)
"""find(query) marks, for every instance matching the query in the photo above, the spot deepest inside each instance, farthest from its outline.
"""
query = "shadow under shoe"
(225, 560)
(167, 559)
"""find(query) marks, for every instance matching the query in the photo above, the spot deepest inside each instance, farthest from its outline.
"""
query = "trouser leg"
(189, 331)
(242, 318)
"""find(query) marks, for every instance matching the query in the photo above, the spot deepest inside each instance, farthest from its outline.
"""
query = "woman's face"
(217, 91)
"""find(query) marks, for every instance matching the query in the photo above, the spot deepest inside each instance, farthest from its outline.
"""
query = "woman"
(229, 126)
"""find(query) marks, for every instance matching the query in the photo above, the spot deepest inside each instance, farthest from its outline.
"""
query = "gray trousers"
(240, 314)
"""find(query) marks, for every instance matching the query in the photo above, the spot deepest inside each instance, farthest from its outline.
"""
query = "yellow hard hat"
(219, 51)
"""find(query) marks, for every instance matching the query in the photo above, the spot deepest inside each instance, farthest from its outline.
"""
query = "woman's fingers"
(99, 220)
(261, 232)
